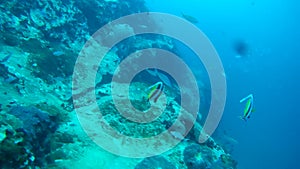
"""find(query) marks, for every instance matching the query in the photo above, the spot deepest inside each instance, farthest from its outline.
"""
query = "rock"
(155, 162)
(228, 162)
(197, 156)
(10, 39)
(32, 118)
(35, 135)
(14, 150)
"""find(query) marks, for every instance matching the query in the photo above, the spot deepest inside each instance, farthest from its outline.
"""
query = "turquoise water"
(58, 100)
(270, 138)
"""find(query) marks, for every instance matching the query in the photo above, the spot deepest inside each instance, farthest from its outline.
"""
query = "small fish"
(248, 108)
(189, 18)
(58, 53)
(155, 91)
(143, 26)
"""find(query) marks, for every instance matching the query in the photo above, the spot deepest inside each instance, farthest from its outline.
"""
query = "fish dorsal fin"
(152, 87)
(250, 96)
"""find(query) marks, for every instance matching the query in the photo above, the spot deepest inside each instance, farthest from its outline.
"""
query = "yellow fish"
(155, 91)
(248, 108)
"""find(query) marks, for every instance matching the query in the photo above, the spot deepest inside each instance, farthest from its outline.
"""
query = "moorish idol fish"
(155, 91)
(248, 108)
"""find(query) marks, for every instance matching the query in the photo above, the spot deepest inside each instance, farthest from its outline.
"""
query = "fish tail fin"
(242, 118)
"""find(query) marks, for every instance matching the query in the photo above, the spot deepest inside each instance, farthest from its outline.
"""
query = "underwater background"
(257, 42)
(270, 139)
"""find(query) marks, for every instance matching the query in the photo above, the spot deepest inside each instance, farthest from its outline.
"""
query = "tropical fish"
(248, 108)
(155, 91)
(58, 53)
(189, 18)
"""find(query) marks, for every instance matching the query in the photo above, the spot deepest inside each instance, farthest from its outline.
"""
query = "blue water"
(258, 43)
(270, 138)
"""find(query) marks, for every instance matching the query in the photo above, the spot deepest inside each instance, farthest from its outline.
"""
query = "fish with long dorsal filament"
(155, 91)
(248, 107)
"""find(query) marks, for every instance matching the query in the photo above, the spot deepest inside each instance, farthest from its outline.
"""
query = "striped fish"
(155, 91)
(248, 108)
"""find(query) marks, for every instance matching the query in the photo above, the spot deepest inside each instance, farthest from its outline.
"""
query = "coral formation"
(197, 156)
(25, 137)
(114, 118)
(40, 41)
(53, 32)
(155, 162)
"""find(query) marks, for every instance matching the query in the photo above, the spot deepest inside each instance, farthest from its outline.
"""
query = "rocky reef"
(25, 137)
(187, 154)
(53, 32)
(40, 42)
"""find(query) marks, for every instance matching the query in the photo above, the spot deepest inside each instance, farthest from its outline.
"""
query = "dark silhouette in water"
(189, 18)
(241, 48)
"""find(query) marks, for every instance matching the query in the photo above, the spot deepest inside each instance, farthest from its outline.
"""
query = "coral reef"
(25, 137)
(31, 138)
(40, 41)
(155, 162)
(188, 154)
(113, 117)
(202, 156)
(197, 157)
(53, 32)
